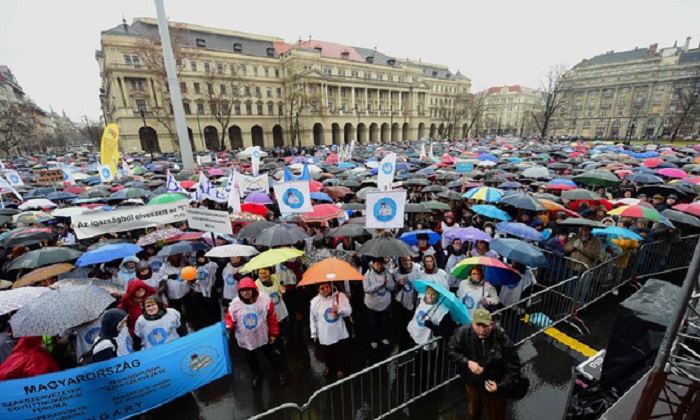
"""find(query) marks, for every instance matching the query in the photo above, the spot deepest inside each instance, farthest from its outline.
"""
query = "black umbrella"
(680, 217)
(434, 189)
(666, 190)
(577, 222)
(282, 234)
(254, 229)
(523, 201)
(450, 195)
(353, 206)
(416, 208)
(27, 236)
(416, 182)
(8, 212)
(580, 194)
(45, 256)
(348, 231)
(386, 247)
(181, 248)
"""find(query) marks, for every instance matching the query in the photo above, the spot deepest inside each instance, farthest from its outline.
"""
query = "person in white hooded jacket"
(127, 271)
(378, 285)
(475, 292)
(328, 329)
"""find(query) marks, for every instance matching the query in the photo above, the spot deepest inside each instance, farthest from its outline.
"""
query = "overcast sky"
(50, 45)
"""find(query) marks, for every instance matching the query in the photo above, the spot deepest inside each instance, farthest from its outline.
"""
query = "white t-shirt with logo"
(159, 331)
(329, 328)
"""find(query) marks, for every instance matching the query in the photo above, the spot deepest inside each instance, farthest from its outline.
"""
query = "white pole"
(174, 85)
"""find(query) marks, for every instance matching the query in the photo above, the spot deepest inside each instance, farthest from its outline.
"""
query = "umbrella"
(11, 300)
(411, 238)
(519, 230)
(270, 258)
(245, 217)
(281, 234)
(43, 273)
(157, 236)
(638, 212)
(181, 248)
(187, 236)
(416, 182)
(617, 232)
(436, 205)
(577, 222)
(457, 310)
(642, 178)
(348, 231)
(470, 234)
(362, 194)
(317, 255)
(126, 193)
(338, 192)
(258, 198)
(668, 173)
(598, 177)
(536, 172)
(353, 206)
(323, 213)
(523, 201)
(234, 250)
(320, 196)
(519, 251)
(26, 237)
(488, 194)
(107, 253)
(580, 194)
(104, 284)
(31, 217)
(490, 211)
(61, 196)
(69, 211)
(330, 269)
(254, 229)
(37, 203)
(167, 198)
(415, 208)
(58, 310)
(680, 217)
(44, 256)
(255, 208)
(450, 195)
(386, 247)
(495, 272)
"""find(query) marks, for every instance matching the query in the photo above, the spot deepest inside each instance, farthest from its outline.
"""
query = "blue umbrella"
(488, 157)
(321, 196)
(562, 181)
(346, 165)
(403, 166)
(510, 185)
(519, 251)
(519, 230)
(617, 232)
(470, 234)
(61, 196)
(490, 211)
(411, 238)
(181, 248)
(457, 310)
(107, 253)
(644, 178)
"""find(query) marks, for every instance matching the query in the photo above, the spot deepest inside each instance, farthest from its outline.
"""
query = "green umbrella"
(167, 198)
(598, 177)
(45, 256)
(138, 170)
(436, 205)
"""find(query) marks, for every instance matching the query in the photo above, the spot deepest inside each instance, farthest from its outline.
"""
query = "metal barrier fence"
(391, 385)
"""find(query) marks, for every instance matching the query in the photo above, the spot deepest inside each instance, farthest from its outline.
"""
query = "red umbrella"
(323, 213)
(186, 236)
(74, 190)
(653, 162)
(117, 188)
(255, 208)
(591, 203)
(693, 209)
(187, 184)
(315, 186)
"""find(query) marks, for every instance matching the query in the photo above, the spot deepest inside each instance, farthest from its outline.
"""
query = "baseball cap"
(481, 316)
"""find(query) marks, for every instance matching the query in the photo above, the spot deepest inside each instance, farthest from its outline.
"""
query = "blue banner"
(305, 175)
(121, 387)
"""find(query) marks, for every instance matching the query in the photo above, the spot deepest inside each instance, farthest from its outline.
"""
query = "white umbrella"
(228, 251)
(69, 211)
(79, 176)
(13, 299)
(248, 152)
(37, 203)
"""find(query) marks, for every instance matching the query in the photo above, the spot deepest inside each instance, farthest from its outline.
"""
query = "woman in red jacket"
(132, 303)
(28, 359)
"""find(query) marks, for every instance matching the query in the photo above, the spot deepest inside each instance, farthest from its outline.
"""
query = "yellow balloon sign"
(109, 150)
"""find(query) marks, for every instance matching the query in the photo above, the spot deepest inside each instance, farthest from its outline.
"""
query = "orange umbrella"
(555, 208)
(338, 192)
(43, 273)
(330, 269)
(323, 213)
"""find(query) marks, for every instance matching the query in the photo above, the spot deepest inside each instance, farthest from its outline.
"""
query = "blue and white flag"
(207, 190)
(5, 187)
(431, 156)
(385, 210)
(255, 160)
(173, 185)
(293, 197)
(105, 172)
(234, 197)
(126, 169)
(305, 174)
(2, 166)
(13, 177)
(248, 184)
(67, 174)
(385, 172)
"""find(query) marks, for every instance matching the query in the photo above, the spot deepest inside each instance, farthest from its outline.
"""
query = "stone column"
(352, 105)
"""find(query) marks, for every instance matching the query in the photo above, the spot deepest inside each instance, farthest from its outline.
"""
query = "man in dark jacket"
(488, 364)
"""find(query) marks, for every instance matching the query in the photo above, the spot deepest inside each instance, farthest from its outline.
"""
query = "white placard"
(385, 210)
(248, 184)
(385, 172)
(128, 218)
(293, 197)
(208, 220)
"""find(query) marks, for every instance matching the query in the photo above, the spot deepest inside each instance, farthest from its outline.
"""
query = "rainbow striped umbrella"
(638, 212)
(488, 194)
(496, 272)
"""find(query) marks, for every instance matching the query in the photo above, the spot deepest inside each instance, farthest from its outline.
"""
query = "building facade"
(240, 90)
(508, 111)
(642, 93)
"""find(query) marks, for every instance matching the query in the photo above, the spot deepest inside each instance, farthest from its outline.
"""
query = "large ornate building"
(240, 90)
(641, 93)
(509, 109)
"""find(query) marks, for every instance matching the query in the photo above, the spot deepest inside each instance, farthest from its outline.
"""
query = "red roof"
(512, 88)
(328, 49)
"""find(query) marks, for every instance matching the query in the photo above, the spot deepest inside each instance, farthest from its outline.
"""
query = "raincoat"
(125, 275)
(327, 327)
(28, 359)
(254, 323)
(127, 303)
(274, 290)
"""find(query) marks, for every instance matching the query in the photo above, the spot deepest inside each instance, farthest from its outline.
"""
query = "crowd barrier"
(393, 384)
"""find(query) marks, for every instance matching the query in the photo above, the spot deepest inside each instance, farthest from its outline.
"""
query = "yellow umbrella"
(270, 258)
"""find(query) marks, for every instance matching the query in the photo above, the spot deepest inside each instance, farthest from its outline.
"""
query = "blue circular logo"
(385, 209)
(275, 298)
(408, 286)
(250, 321)
(157, 336)
(381, 292)
(129, 344)
(202, 275)
(420, 316)
(283, 267)
(106, 173)
(293, 198)
(66, 176)
(156, 265)
(256, 154)
(329, 317)
(91, 335)
(230, 280)
(14, 179)
(387, 167)
(199, 361)
(468, 302)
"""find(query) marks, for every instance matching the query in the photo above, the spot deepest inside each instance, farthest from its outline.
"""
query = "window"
(270, 109)
(277, 73)
(255, 71)
(127, 59)
(267, 72)
(141, 105)
(201, 43)
(390, 78)
(137, 85)
(207, 67)
(220, 68)
(342, 92)
(279, 92)
(353, 73)
(590, 113)
(380, 77)
(235, 90)
(183, 87)
(269, 92)
(620, 112)
(225, 110)
(245, 70)
(197, 88)
(280, 109)
(257, 91)
(210, 88)
(237, 47)
(233, 69)
(193, 65)
(270, 52)
(200, 108)
(223, 89)
(328, 71)
(214, 110)
(186, 105)
(237, 108)
(249, 109)
(246, 90)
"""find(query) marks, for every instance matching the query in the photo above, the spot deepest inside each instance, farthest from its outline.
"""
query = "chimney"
(653, 47)
(687, 44)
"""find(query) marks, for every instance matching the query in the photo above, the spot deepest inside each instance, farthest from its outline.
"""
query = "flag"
(13, 177)
(255, 160)
(385, 210)
(2, 166)
(234, 197)
(5, 187)
(385, 172)
(305, 175)
(106, 173)
(431, 156)
(248, 184)
(352, 149)
(173, 185)
(293, 197)
(423, 155)
(109, 150)
(67, 174)
(207, 190)
(126, 169)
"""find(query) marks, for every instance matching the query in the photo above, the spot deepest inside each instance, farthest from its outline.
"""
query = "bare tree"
(686, 98)
(298, 98)
(91, 130)
(475, 111)
(17, 126)
(224, 89)
(553, 92)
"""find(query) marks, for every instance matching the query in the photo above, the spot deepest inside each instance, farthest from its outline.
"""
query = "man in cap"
(643, 198)
(553, 226)
(658, 202)
(671, 201)
(488, 364)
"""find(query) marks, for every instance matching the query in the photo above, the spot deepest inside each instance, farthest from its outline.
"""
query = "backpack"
(88, 357)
